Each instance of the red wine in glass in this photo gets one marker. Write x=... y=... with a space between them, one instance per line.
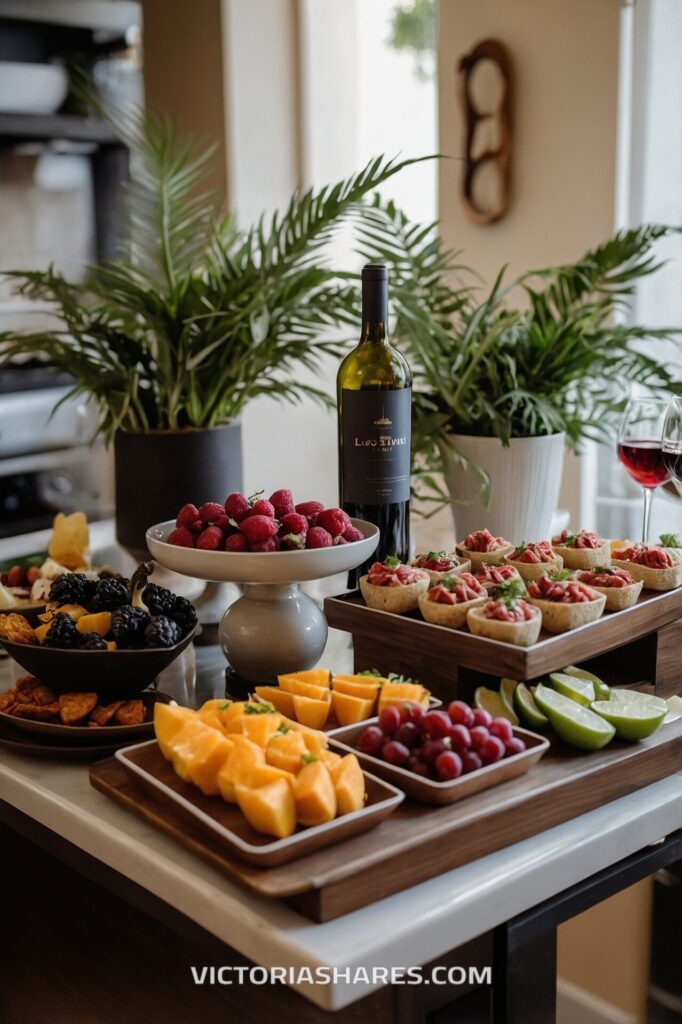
x=644 y=462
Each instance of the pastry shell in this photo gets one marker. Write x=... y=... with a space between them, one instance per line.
x=523 y=634
x=463 y=565
x=452 y=615
x=477 y=558
x=558 y=617
x=618 y=598
x=653 y=579
x=394 y=599
x=584 y=558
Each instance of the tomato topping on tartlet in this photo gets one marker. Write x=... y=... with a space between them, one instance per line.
x=483 y=540
x=648 y=555
x=565 y=602
x=455 y=590
x=533 y=553
x=560 y=587
x=605 y=576
x=491 y=574
x=654 y=566
x=390 y=586
x=438 y=561
x=584 y=539
x=519 y=611
x=382 y=574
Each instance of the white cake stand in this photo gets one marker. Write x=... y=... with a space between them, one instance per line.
x=273 y=627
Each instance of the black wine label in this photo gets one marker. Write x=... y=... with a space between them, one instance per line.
x=376 y=446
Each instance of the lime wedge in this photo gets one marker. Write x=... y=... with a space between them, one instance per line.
x=527 y=709
x=507 y=687
x=648 y=700
x=573 y=723
x=579 y=690
x=491 y=701
x=601 y=690
x=633 y=721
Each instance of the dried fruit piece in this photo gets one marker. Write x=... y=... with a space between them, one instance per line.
x=74 y=707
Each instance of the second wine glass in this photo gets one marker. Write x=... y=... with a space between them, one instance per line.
x=640 y=448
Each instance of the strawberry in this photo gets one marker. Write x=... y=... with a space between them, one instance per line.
x=258 y=528
x=293 y=541
x=32 y=575
x=181 y=537
x=236 y=542
x=334 y=520
x=318 y=537
x=270 y=544
x=189 y=517
x=262 y=507
x=294 y=522
x=213 y=514
x=236 y=506
x=352 y=533
x=210 y=539
x=283 y=502
x=16 y=577
x=311 y=510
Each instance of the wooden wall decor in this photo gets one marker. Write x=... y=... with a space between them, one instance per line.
x=499 y=155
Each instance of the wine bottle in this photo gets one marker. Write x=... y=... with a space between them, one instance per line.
x=374 y=392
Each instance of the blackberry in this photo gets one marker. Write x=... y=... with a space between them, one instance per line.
x=72 y=588
x=183 y=614
x=159 y=600
x=128 y=625
x=110 y=593
x=62 y=632
x=92 y=642
x=161 y=632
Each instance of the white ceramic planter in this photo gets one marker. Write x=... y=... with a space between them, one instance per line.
x=525 y=479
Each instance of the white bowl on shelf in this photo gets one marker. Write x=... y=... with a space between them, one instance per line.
x=31 y=88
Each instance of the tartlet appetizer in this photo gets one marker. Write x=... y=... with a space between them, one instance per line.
x=391 y=586
x=481 y=546
x=565 y=603
x=506 y=616
x=447 y=602
x=439 y=564
x=655 y=567
x=534 y=559
x=494 y=574
x=617 y=585
x=583 y=550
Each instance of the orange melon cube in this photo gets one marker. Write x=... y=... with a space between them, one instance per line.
x=397 y=693
x=315 y=739
x=366 y=687
x=97 y=622
x=298 y=687
x=282 y=700
x=316 y=676
x=168 y=721
x=259 y=728
x=349 y=784
x=212 y=712
x=243 y=756
x=315 y=794
x=232 y=717
x=269 y=809
x=329 y=757
x=286 y=750
x=262 y=774
x=350 y=710
x=210 y=754
x=310 y=712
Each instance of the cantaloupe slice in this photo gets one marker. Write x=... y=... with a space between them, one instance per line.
x=193 y=743
x=317 y=676
x=262 y=774
x=358 y=686
x=302 y=689
x=168 y=721
x=286 y=750
x=282 y=700
x=315 y=739
x=269 y=809
x=41 y=631
x=213 y=712
x=98 y=622
x=315 y=794
x=349 y=785
x=396 y=693
x=210 y=753
x=313 y=713
x=260 y=727
x=233 y=717
x=329 y=757
x=350 y=710
x=243 y=756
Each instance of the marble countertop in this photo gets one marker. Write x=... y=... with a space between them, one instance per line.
x=407 y=929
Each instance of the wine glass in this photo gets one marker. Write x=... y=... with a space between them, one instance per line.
x=640 y=448
x=672 y=442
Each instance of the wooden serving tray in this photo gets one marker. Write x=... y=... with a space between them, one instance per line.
x=418 y=842
x=440 y=655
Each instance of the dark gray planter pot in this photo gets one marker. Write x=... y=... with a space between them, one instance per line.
x=160 y=471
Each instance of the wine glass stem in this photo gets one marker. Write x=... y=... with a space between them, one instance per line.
x=648 y=492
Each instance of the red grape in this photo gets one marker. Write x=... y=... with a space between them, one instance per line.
x=371 y=741
x=479 y=734
x=436 y=724
x=461 y=737
x=502 y=728
x=389 y=719
x=417 y=766
x=492 y=750
x=448 y=766
x=432 y=748
x=409 y=734
x=471 y=762
x=514 y=746
x=461 y=714
x=410 y=711
x=396 y=753
x=482 y=717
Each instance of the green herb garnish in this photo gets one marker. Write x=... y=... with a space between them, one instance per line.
x=569 y=541
x=509 y=592
x=371 y=672
x=604 y=569
x=307 y=759
x=225 y=706
x=391 y=562
x=258 y=706
x=670 y=540
x=521 y=548
x=560 y=575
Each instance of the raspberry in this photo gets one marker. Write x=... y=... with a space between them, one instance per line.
x=236 y=506
x=283 y=503
x=181 y=537
x=294 y=523
x=258 y=528
x=311 y=510
x=32 y=574
x=271 y=544
x=340 y=539
x=210 y=539
x=262 y=507
x=293 y=541
x=335 y=520
x=318 y=537
x=189 y=517
x=236 y=542
x=16 y=577
x=352 y=533
x=213 y=514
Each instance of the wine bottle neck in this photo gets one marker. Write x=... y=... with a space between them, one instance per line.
x=373 y=332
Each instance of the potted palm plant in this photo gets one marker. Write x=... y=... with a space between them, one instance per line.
x=503 y=386
x=192 y=321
